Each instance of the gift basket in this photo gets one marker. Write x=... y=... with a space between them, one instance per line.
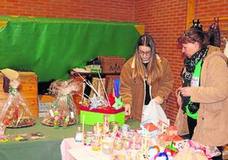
x=15 y=112
x=98 y=104
x=62 y=111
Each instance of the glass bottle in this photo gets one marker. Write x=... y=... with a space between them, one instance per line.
x=79 y=135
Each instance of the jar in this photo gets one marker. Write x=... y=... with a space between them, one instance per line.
x=88 y=138
x=79 y=135
x=107 y=145
x=118 y=144
x=96 y=143
x=126 y=144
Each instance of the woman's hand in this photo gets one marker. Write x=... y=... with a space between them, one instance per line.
x=158 y=100
x=179 y=100
x=186 y=91
x=127 y=109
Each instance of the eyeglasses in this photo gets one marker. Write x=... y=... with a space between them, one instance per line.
x=144 y=52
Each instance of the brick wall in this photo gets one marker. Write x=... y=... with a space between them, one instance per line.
x=111 y=10
x=165 y=20
x=215 y=8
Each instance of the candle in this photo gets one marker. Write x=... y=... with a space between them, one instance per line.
x=107 y=145
x=83 y=123
x=97 y=128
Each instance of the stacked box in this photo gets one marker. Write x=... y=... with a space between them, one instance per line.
x=111 y=64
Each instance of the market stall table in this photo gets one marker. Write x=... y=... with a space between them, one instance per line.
x=70 y=150
x=47 y=148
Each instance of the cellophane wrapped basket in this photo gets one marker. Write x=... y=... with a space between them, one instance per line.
x=62 y=111
x=15 y=112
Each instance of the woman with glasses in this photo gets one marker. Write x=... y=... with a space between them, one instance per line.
x=203 y=97
x=144 y=77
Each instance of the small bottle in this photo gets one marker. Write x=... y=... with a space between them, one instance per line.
x=79 y=135
x=56 y=122
x=118 y=143
x=2 y=129
x=88 y=138
x=66 y=121
x=105 y=125
x=96 y=143
x=51 y=113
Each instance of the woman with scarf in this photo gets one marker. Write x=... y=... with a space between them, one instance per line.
x=144 y=77
x=203 y=97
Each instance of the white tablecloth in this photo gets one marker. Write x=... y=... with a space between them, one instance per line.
x=70 y=150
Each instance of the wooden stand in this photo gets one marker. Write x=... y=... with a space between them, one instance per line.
x=109 y=77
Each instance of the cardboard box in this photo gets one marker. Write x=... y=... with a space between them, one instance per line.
x=111 y=64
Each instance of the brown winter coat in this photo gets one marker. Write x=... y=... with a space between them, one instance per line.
x=212 y=122
x=132 y=90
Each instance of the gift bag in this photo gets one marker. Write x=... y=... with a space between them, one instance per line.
x=153 y=113
x=214 y=33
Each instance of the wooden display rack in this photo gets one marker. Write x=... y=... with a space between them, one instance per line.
x=108 y=85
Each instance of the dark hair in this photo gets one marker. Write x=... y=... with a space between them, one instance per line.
x=153 y=70
x=194 y=35
x=146 y=40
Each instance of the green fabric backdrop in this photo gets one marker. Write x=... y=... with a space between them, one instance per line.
x=51 y=47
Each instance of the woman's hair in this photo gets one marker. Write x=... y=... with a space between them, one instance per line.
x=194 y=35
x=153 y=70
x=146 y=40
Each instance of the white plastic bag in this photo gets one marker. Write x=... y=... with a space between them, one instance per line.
x=226 y=48
x=153 y=113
